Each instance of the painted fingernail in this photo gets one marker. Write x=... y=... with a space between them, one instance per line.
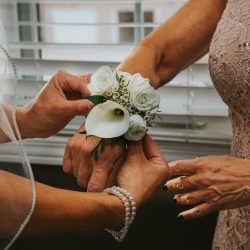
x=175 y=200
x=180 y=217
x=165 y=188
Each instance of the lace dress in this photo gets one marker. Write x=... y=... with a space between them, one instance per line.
x=230 y=71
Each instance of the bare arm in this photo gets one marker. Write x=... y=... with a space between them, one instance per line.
x=73 y=211
x=57 y=210
x=177 y=43
x=143 y=173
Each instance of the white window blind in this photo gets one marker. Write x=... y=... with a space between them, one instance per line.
x=79 y=36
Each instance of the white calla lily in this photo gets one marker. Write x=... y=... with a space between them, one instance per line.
x=107 y=120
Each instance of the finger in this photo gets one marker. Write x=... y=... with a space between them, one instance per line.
x=194 y=197
x=78 y=107
x=84 y=173
x=75 y=162
x=99 y=179
x=67 y=165
x=135 y=149
x=115 y=170
x=184 y=167
x=71 y=83
x=198 y=211
x=85 y=77
x=181 y=183
x=150 y=148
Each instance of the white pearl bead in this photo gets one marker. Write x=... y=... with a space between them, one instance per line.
x=130 y=211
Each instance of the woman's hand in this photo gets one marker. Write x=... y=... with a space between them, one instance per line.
x=214 y=183
x=58 y=102
x=144 y=171
x=96 y=175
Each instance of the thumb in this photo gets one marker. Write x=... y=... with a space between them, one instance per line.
x=79 y=107
x=150 y=148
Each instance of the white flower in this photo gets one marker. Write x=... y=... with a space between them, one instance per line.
x=107 y=120
x=145 y=98
x=124 y=78
x=137 y=80
x=137 y=128
x=102 y=81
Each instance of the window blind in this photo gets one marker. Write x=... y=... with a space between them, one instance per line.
x=79 y=36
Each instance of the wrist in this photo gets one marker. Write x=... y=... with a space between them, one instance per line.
x=138 y=62
x=116 y=210
x=23 y=122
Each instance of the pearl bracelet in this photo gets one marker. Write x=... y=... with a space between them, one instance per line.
x=130 y=211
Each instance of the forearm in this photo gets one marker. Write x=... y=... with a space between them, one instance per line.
x=56 y=210
x=60 y=210
x=177 y=43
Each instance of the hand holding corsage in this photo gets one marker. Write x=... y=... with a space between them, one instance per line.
x=125 y=105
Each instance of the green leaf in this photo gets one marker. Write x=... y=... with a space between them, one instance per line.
x=96 y=99
x=102 y=145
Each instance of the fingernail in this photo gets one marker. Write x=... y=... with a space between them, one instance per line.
x=165 y=188
x=180 y=217
x=175 y=200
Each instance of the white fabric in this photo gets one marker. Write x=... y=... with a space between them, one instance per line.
x=17 y=189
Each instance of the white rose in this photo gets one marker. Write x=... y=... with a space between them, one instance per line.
x=137 y=128
x=137 y=80
x=145 y=98
x=125 y=78
x=102 y=81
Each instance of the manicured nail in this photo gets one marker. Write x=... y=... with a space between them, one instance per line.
x=175 y=200
x=180 y=217
x=165 y=188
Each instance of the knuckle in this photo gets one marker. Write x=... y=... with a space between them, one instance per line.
x=206 y=179
x=180 y=183
x=197 y=212
x=94 y=186
x=176 y=184
x=186 y=199
x=100 y=171
x=194 y=213
x=60 y=73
